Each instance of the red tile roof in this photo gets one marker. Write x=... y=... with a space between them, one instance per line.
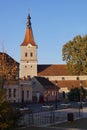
x=52 y=70
x=28 y=38
x=71 y=83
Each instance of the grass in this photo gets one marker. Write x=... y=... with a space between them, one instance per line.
x=80 y=123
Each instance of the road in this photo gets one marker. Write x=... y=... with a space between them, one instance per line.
x=38 y=107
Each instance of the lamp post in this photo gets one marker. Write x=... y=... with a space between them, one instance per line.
x=22 y=94
x=81 y=94
x=56 y=95
x=80 y=98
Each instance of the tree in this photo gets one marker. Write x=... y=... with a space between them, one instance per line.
x=8 y=116
x=74 y=53
x=74 y=94
x=9 y=68
x=77 y=94
x=82 y=93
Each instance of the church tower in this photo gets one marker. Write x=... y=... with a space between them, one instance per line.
x=28 y=61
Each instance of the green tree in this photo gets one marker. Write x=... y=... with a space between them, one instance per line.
x=74 y=94
x=8 y=116
x=74 y=53
x=82 y=93
x=77 y=94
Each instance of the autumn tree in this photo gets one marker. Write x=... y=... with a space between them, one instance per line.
x=9 y=68
x=74 y=53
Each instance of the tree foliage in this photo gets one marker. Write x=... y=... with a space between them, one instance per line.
x=77 y=94
x=9 y=68
x=74 y=53
x=8 y=116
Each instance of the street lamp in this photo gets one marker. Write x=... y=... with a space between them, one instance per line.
x=22 y=94
x=81 y=93
x=56 y=95
x=80 y=97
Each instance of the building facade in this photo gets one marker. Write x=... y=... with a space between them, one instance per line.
x=44 y=90
x=18 y=91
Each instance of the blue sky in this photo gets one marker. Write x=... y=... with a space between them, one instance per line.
x=54 y=22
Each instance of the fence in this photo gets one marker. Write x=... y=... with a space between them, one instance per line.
x=46 y=118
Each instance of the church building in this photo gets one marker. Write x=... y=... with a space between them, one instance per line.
x=50 y=80
x=54 y=72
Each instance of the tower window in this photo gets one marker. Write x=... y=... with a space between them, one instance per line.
x=26 y=54
x=31 y=54
x=25 y=66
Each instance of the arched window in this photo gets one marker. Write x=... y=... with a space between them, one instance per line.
x=26 y=54
x=31 y=54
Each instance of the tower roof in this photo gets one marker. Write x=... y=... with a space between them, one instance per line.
x=28 y=34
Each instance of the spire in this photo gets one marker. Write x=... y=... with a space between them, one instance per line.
x=28 y=34
x=29 y=21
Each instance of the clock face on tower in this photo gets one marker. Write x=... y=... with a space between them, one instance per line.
x=29 y=45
